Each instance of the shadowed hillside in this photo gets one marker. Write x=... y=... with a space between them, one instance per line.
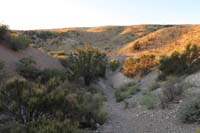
x=108 y=38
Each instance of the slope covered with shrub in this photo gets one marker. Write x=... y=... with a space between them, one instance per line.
x=108 y=38
x=44 y=101
x=163 y=41
x=13 y=41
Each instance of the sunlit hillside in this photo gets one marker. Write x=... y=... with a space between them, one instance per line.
x=164 y=41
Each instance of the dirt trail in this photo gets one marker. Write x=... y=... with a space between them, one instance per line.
x=119 y=119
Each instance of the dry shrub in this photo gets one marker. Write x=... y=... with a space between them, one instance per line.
x=133 y=66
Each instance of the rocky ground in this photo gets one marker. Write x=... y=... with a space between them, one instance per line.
x=138 y=119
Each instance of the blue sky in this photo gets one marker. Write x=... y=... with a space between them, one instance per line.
x=35 y=14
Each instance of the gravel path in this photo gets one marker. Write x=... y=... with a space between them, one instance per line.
x=139 y=119
x=119 y=120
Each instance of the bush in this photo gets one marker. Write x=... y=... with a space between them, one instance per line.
x=150 y=101
x=27 y=68
x=181 y=63
x=34 y=107
x=46 y=34
x=2 y=75
x=3 y=31
x=18 y=42
x=26 y=103
x=142 y=65
x=170 y=92
x=89 y=63
x=13 y=40
x=47 y=74
x=114 y=64
x=136 y=46
x=190 y=111
x=126 y=92
x=52 y=125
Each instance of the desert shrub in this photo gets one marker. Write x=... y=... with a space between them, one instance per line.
x=126 y=92
x=43 y=125
x=91 y=109
x=142 y=65
x=46 y=34
x=114 y=64
x=171 y=91
x=136 y=46
x=150 y=101
x=2 y=75
x=26 y=103
x=27 y=68
x=3 y=31
x=18 y=42
x=190 y=111
x=154 y=86
x=181 y=63
x=52 y=125
x=47 y=74
x=87 y=62
x=13 y=40
x=35 y=107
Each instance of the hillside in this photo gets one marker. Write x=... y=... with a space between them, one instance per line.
x=164 y=41
x=157 y=39
x=108 y=38
x=11 y=58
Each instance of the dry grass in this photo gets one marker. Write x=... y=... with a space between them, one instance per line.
x=165 y=40
x=108 y=38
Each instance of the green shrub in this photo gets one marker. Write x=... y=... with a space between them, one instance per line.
x=29 y=102
x=181 y=63
x=18 y=42
x=45 y=125
x=114 y=64
x=46 y=34
x=47 y=74
x=190 y=111
x=87 y=62
x=126 y=92
x=3 y=31
x=150 y=101
x=27 y=68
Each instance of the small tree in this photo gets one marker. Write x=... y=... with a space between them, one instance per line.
x=88 y=62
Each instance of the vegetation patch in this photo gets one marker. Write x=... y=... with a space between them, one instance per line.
x=88 y=63
x=172 y=91
x=180 y=63
x=142 y=65
x=114 y=64
x=126 y=92
x=13 y=40
x=150 y=101
x=27 y=68
x=190 y=111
